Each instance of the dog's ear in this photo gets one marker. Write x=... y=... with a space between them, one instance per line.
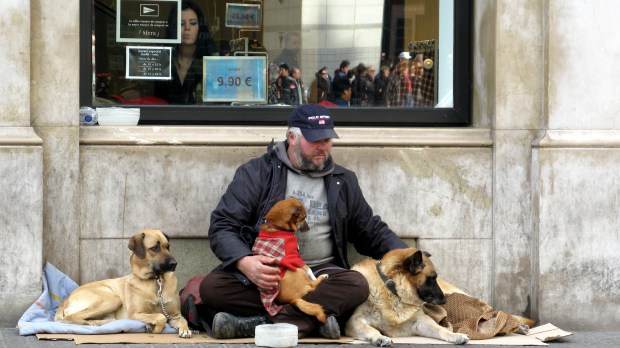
x=136 y=244
x=414 y=263
x=295 y=212
x=168 y=238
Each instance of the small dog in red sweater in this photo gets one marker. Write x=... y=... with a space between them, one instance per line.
x=277 y=239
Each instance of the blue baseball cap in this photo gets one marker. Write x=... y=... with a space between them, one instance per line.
x=314 y=121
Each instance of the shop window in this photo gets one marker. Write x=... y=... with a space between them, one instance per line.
x=224 y=62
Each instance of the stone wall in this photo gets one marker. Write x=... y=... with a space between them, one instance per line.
x=21 y=168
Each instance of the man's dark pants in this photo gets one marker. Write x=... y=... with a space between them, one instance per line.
x=221 y=291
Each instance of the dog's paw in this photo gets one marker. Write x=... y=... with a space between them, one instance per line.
x=459 y=338
x=382 y=341
x=324 y=276
x=523 y=329
x=185 y=333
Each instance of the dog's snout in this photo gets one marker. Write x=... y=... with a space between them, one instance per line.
x=434 y=298
x=304 y=227
x=431 y=293
x=171 y=264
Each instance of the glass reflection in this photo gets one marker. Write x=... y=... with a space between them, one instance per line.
x=316 y=52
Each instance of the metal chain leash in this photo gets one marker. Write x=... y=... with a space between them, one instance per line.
x=161 y=300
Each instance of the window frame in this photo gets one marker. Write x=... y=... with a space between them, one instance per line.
x=458 y=115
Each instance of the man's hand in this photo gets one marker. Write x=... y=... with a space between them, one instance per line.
x=260 y=270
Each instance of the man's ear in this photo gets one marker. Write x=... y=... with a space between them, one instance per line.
x=136 y=244
x=290 y=137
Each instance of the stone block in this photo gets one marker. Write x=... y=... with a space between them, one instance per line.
x=513 y=221
x=426 y=192
x=55 y=56
x=579 y=200
x=466 y=263
x=61 y=200
x=21 y=206
x=126 y=189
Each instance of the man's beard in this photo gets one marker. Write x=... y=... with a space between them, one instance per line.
x=305 y=162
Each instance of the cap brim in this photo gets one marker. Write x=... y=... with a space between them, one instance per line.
x=319 y=134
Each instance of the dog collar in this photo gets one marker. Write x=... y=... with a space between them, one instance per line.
x=269 y=224
x=389 y=283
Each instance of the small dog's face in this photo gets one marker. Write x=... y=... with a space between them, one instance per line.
x=152 y=247
x=288 y=215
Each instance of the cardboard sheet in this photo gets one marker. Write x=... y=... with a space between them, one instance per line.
x=536 y=337
x=169 y=338
x=517 y=340
x=548 y=332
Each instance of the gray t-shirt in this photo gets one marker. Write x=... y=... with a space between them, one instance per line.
x=316 y=245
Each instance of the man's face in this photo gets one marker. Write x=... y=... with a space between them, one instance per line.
x=418 y=68
x=346 y=94
x=283 y=72
x=309 y=156
x=293 y=43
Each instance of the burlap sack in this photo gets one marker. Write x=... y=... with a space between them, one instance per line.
x=470 y=316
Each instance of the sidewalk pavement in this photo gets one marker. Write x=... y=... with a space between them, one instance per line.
x=9 y=338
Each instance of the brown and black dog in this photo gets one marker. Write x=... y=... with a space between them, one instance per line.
x=277 y=239
x=149 y=294
x=399 y=284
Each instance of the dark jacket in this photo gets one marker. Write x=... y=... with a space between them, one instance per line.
x=363 y=90
x=380 y=83
x=176 y=92
x=261 y=182
x=290 y=95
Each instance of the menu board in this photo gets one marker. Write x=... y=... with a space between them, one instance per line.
x=235 y=79
x=148 y=63
x=148 y=21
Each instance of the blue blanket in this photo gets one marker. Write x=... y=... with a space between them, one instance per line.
x=39 y=318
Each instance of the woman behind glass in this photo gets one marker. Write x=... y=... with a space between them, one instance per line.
x=186 y=84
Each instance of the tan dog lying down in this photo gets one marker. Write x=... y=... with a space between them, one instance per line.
x=134 y=296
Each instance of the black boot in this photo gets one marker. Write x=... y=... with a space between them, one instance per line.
x=331 y=329
x=226 y=325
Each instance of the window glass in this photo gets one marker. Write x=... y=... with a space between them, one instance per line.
x=224 y=54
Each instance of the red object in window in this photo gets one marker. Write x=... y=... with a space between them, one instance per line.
x=141 y=100
x=326 y=103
